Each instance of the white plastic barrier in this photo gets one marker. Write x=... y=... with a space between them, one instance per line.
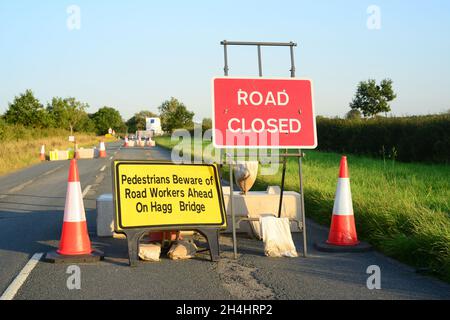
x=261 y=203
x=105 y=215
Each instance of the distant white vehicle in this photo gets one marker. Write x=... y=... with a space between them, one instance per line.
x=153 y=125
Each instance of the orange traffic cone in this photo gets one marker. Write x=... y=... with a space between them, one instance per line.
x=75 y=244
x=102 y=152
x=343 y=231
x=42 y=154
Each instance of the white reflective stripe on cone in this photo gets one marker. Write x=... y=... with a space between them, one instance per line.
x=343 y=200
x=74 y=209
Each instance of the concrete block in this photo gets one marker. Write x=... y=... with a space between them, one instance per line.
x=258 y=203
x=86 y=153
x=105 y=215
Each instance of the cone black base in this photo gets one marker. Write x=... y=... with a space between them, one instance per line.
x=325 y=247
x=55 y=257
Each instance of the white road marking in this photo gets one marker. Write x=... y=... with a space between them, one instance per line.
x=14 y=287
x=103 y=168
x=21 y=186
x=86 y=190
x=111 y=158
x=51 y=171
x=27 y=183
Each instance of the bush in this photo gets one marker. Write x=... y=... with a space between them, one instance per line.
x=206 y=124
x=408 y=139
x=17 y=132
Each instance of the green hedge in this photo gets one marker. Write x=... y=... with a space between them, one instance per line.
x=408 y=139
x=10 y=132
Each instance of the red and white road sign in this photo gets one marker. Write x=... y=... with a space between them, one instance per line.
x=263 y=113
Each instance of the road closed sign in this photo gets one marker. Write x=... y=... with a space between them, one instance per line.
x=152 y=194
x=263 y=112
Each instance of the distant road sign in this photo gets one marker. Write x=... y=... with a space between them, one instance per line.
x=263 y=112
x=152 y=194
x=71 y=138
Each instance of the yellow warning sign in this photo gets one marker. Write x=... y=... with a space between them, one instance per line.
x=163 y=194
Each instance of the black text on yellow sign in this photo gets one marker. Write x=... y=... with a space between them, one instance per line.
x=160 y=194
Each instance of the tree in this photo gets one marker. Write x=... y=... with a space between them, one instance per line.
x=68 y=113
x=372 y=99
x=174 y=115
x=353 y=114
x=137 y=122
x=28 y=111
x=206 y=124
x=106 y=118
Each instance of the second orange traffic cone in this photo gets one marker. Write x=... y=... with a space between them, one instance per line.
x=75 y=245
x=102 y=150
x=42 y=154
x=342 y=235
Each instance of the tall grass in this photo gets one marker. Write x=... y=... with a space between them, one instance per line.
x=20 y=147
x=401 y=208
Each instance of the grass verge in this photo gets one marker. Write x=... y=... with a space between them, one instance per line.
x=23 y=152
x=403 y=209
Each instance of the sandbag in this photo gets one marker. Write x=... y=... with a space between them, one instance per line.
x=245 y=173
x=182 y=250
x=150 y=251
x=256 y=225
x=277 y=237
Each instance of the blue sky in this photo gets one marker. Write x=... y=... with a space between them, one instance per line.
x=133 y=55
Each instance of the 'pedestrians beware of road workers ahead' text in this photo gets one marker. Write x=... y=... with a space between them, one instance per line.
x=150 y=194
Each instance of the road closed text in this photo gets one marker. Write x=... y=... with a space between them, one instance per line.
x=272 y=125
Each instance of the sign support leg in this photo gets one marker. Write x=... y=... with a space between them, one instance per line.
x=302 y=203
x=133 y=238
x=233 y=219
x=283 y=175
x=212 y=236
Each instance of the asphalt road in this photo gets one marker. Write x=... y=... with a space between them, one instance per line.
x=31 y=212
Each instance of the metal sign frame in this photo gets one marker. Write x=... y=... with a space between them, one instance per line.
x=135 y=234
x=299 y=155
